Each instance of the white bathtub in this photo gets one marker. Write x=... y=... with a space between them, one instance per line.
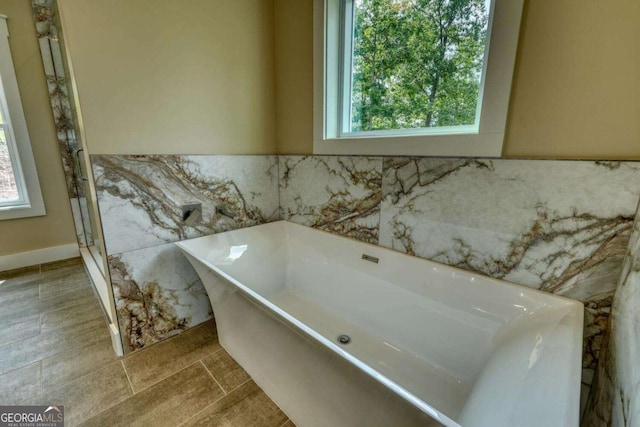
x=430 y=344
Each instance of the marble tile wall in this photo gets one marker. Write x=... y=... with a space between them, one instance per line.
x=559 y=226
x=337 y=194
x=156 y=291
x=615 y=399
x=625 y=340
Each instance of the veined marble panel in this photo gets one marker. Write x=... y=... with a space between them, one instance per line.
x=340 y=194
x=625 y=341
x=157 y=294
x=558 y=226
x=140 y=197
x=615 y=398
x=78 y=206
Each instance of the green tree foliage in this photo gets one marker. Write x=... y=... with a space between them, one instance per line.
x=416 y=63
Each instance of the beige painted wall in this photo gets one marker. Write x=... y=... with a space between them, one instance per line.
x=167 y=76
x=576 y=89
x=56 y=228
x=294 y=75
x=577 y=85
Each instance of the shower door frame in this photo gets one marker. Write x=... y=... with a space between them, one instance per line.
x=67 y=115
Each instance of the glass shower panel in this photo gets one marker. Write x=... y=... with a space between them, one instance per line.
x=87 y=209
x=75 y=162
x=71 y=148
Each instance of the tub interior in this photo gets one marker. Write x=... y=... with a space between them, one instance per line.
x=432 y=332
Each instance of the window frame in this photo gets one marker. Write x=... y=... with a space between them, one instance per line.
x=484 y=139
x=30 y=202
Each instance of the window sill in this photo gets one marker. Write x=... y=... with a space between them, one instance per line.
x=21 y=211
x=468 y=145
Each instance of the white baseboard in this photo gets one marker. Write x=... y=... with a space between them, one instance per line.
x=39 y=256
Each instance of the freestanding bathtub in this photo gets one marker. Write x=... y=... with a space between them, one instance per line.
x=342 y=333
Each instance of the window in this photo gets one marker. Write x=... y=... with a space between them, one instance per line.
x=416 y=77
x=20 y=194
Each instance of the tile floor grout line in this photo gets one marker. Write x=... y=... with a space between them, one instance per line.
x=77 y=378
x=278 y=406
x=21 y=367
x=212 y=376
x=66 y=307
x=163 y=378
x=20 y=339
x=20 y=272
x=200 y=411
x=41 y=358
x=212 y=403
x=124 y=368
x=134 y=392
x=218 y=350
x=153 y=345
x=84 y=421
x=250 y=379
x=215 y=401
x=41 y=378
x=37 y=362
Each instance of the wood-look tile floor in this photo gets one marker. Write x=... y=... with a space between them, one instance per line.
x=55 y=349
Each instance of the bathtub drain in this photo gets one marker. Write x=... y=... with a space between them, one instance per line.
x=344 y=339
